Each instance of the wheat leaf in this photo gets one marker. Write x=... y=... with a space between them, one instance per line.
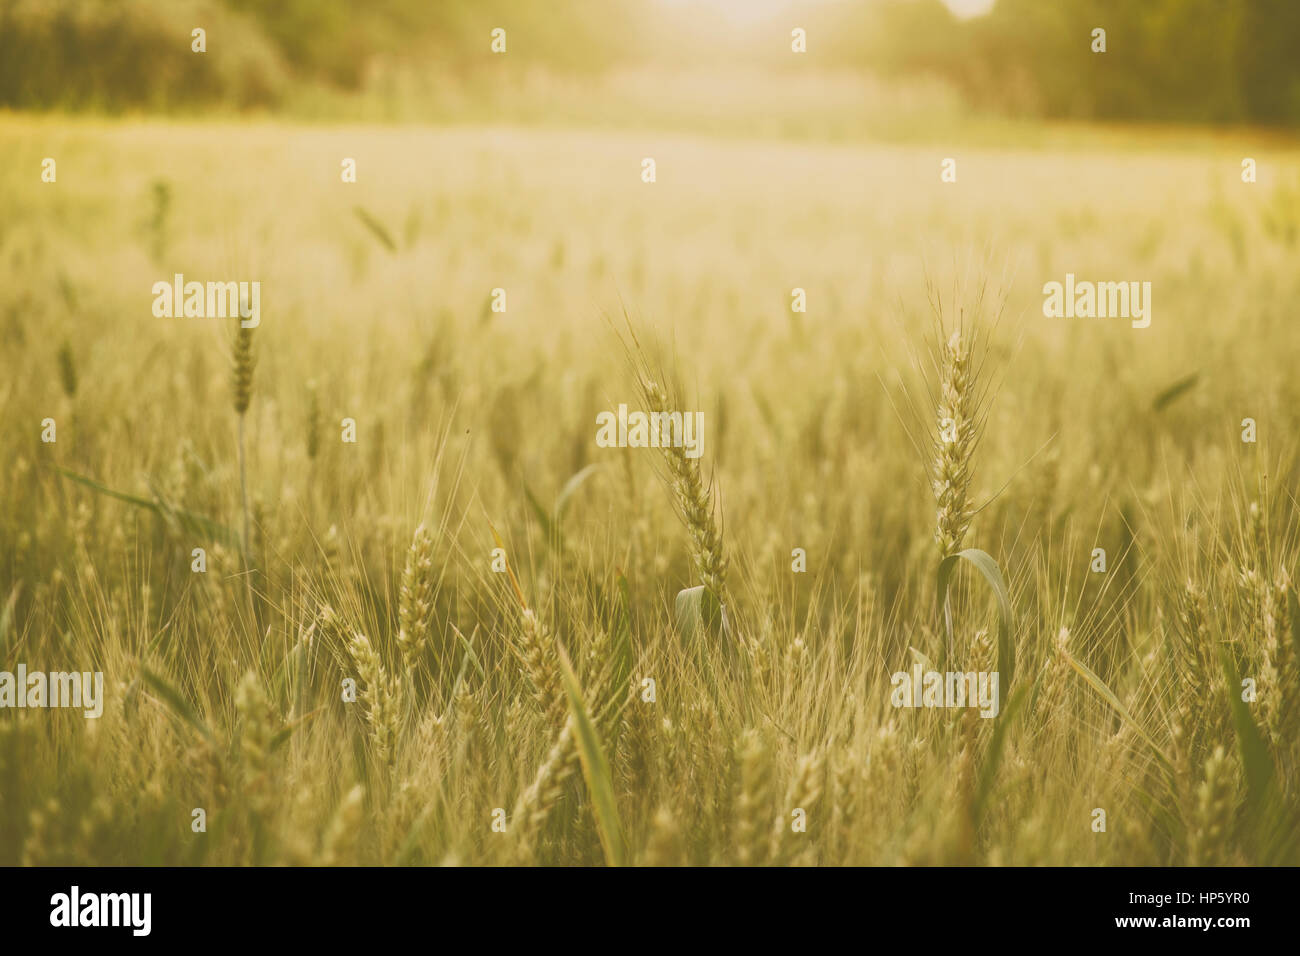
x=1108 y=695
x=177 y=702
x=376 y=229
x=594 y=767
x=987 y=567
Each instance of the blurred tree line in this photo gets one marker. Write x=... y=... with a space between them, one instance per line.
x=1215 y=61
x=136 y=54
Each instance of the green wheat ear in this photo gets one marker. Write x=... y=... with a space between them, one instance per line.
x=241 y=390
x=67 y=370
x=312 y=424
x=959 y=424
x=242 y=364
x=958 y=433
x=415 y=601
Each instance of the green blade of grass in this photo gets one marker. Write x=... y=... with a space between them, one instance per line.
x=987 y=567
x=281 y=736
x=1270 y=817
x=690 y=610
x=1293 y=608
x=7 y=619
x=594 y=767
x=570 y=486
x=1099 y=685
x=177 y=517
x=1175 y=391
x=376 y=228
x=993 y=755
x=177 y=702
x=1255 y=758
x=550 y=526
x=105 y=490
x=622 y=637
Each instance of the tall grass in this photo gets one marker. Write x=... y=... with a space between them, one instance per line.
x=556 y=712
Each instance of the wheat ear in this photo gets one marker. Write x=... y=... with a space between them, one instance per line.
x=241 y=387
x=695 y=501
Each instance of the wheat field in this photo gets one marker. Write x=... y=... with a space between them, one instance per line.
x=357 y=675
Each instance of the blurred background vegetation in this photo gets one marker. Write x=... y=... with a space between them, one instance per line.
x=1185 y=61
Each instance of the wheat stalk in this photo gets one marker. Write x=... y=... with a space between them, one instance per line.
x=382 y=696
x=415 y=601
x=338 y=841
x=694 y=500
x=1212 y=824
x=754 y=810
x=241 y=387
x=538 y=657
x=312 y=424
x=536 y=802
x=956 y=436
x=664 y=845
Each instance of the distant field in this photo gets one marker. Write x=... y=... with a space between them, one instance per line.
x=377 y=306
